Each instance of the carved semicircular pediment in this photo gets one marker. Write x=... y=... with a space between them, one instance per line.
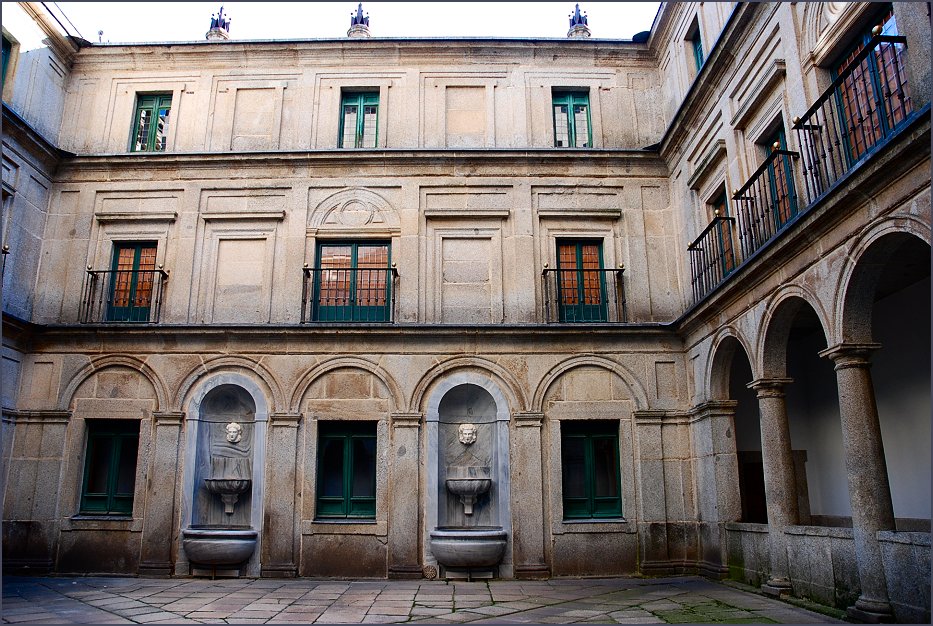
x=354 y=209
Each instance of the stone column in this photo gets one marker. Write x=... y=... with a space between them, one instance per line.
x=279 y=530
x=159 y=530
x=528 y=522
x=867 y=473
x=404 y=499
x=780 y=481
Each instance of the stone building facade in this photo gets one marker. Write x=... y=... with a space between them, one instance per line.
x=372 y=306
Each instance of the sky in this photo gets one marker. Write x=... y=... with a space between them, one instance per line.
x=124 y=22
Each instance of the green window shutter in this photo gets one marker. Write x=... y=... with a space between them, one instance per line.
x=572 y=119
x=590 y=468
x=150 y=128
x=352 y=282
x=359 y=120
x=697 y=45
x=346 y=484
x=581 y=284
x=110 y=467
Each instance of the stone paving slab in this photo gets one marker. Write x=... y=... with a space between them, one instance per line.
x=108 y=600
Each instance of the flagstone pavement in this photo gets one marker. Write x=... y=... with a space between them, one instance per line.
x=112 y=600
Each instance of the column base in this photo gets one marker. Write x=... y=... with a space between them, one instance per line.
x=777 y=588
x=535 y=571
x=156 y=569
x=284 y=570
x=871 y=611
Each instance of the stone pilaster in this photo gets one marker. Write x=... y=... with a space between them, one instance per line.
x=159 y=532
x=780 y=481
x=652 y=498
x=528 y=508
x=404 y=501
x=867 y=473
x=279 y=527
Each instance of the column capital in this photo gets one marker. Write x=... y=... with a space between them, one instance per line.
x=850 y=354
x=168 y=418
x=769 y=387
x=286 y=420
x=528 y=419
x=406 y=420
x=712 y=408
x=26 y=416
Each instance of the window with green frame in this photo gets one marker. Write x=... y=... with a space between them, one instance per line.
x=572 y=119
x=724 y=234
x=346 y=471
x=7 y=51
x=352 y=282
x=589 y=455
x=110 y=467
x=150 y=128
x=696 y=44
x=581 y=283
x=359 y=119
x=871 y=102
x=131 y=282
x=783 y=195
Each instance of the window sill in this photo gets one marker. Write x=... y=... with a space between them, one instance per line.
x=82 y=521
x=594 y=525
x=344 y=526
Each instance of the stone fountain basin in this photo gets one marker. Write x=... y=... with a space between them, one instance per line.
x=477 y=546
x=218 y=546
x=227 y=486
x=468 y=486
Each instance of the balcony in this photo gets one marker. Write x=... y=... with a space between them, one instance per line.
x=349 y=294
x=850 y=121
x=712 y=255
x=122 y=296
x=859 y=111
x=584 y=295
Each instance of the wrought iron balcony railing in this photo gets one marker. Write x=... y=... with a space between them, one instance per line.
x=767 y=202
x=349 y=294
x=584 y=295
x=861 y=107
x=712 y=255
x=122 y=296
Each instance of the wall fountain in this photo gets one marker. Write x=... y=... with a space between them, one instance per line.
x=220 y=538
x=470 y=464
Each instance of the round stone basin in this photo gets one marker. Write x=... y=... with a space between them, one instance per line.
x=227 y=486
x=218 y=546
x=479 y=546
x=468 y=486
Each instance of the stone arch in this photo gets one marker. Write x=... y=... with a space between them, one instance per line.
x=514 y=395
x=774 y=332
x=321 y=369
x=718 y=366
x=97 y=365
x=859 y=278
x=249 y=370
x=636 y=390
x=352 y=209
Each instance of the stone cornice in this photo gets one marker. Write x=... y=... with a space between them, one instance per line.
x=185 y=165
x=22 y=133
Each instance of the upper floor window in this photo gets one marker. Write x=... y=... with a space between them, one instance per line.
x=352 y=283
x=872 y=99
x=780 y=194
x=131 y=282
x=110 y=467
x=723 y=234
x=359 y=119
x=581 y=282
x=572 y=119
x=150 y=128
x=696 y=44
x=589 y=455
x=7 y=52
x=346 y=485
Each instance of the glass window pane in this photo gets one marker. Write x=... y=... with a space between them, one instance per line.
x=606 y=470
x=573 y=466
x=161 y=129
x=331 y=469
x=349 y=126
x=369 y=127
x=561 y=127
x=581 y=126
x=364 y=467
x=141 y=142
x=126 y=466
x=100 y=450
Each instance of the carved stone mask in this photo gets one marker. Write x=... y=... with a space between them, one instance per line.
x=467 y=434
x=234 y=432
